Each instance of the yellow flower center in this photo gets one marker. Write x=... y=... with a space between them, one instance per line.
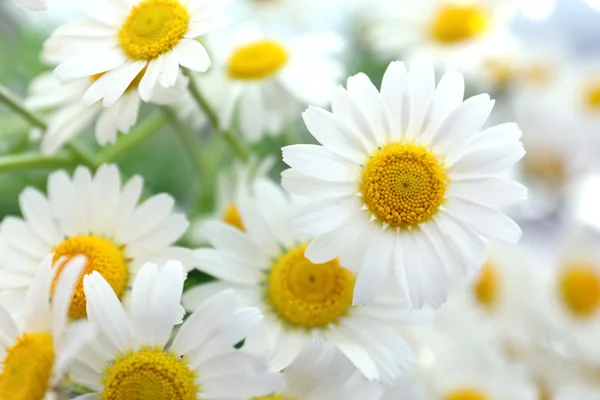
x=486 y=287
x=152 y=28
x=592 y=96
x=580 y=290
x=308 y=295
x=403 y=184
x=466 y=394
x=102 y=256
x=27 y=367
x=232 y=217
x=257 y=60
x=456 y=23
x=149 y=374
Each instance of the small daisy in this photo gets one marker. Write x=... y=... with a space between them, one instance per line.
x=35 y=359
x=233 y=187
x=267 y=80
x=406 y=184
x=570 y=301
x=92 y=216
x=302 y=301
x=450 y=33
x=69 y=117
x=125 y=39
x=322 y=372
x=135 y=360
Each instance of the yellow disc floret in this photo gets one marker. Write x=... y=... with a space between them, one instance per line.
x=149 y=374
x=403 y=184
x=466 y=394
x=102 y=256
x=231 y=216
x=27 y=367
x=307 y=295
x=456 y=23
x=257 y=60
x=592 y=96
x=580 y=290
x=152 y=28
x=486 y=287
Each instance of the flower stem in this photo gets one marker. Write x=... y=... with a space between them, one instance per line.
x=187 y=139
x=137 y=135
x=238 y=148
x=34 y=160
x=16 y=104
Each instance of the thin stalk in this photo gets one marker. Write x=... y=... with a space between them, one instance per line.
x=34 y=161
x=186 y=136
x=137 y=135
x=238 y=148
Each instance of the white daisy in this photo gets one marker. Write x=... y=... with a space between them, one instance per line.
x=267 y=79
x=570 y=298
x=124 y=39
x=450 y=33
x=69 y=117
x=302 y=301
x=35 y=359
x=321 y=372
x=233 y=186
x=406 y=184
x=93 y=216
x=135 y=360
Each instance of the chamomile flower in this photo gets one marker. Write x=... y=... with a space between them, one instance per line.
x=233 y=187
x=69 y=117
x=406 y=183
x=35 y=359
x=570 y=301
x=126 y=39
x=450 y=33
x=322 y=372
x=91 y=216
x=302 y=301
x=135 y=360
x=266 y=80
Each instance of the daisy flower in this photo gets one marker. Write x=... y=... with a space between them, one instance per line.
x=450 y=33
x=322 y=372
x=35 y=359
x=92 y=216
x=406 y=183
x=143 y=40
x=302 y=301
x=570 y=297
x=268 y=79
x=68 y=117
x=135 y=360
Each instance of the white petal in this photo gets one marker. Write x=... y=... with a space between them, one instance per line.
x=141 y=297
x=421 y=84
x=165 y=302
x=36 y=211
x=366 y=96
x=318 y=162
x=225 y=237
x=191 y=54
x=252 y=113
x=486 y=161
x=355 y=353
x=297 y=183
x=106 y=126
x=150 y=78
x=63 y=293
x=376 y=268
x=170 y=70
x=145 y=217
x=88 y=65
x=322 y=216
x=227 y=267
x=8 y=327
x=395 y=95
x=344 y=107
x=105 y=198
x=18 y=234
x=448 y=95
x=36 y=310
x=489 y=192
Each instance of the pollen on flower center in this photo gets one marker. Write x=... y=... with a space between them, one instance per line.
x=592 y=96
x=152 y=28
x=403 y=184
x=486 y=287
x=580 y=290
x=232 y=217
x=308 y=295
x=149 y=374
x=102 y=256
x=27 y=367
x=257 y=60
x=466 y=394
x=456 y=23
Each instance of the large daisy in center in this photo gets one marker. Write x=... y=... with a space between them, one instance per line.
x=302 y=301
x=406 y=183
x=124 y=38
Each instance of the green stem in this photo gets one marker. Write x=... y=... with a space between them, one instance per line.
x=34 y=160
x=83 y=154
x=238 y=148
x=15 y=104
x=137 y=135
x=186 y=136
